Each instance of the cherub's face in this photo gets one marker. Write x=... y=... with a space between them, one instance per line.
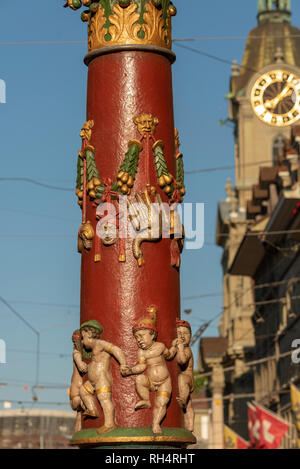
x=184 y=335
x=87 y=338
x=144 y=338
x=109 y=234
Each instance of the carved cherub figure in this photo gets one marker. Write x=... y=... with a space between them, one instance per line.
x=151 y=357
x=99 y=375
x=184 y=356
x=79 y=368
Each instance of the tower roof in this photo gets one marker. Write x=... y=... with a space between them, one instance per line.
x=274 y=11
x=262 y=48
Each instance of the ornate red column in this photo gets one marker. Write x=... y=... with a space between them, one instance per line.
x=129 y=147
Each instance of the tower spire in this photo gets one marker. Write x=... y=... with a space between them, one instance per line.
x=274 y=11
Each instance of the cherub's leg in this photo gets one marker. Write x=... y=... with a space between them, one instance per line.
x=184 y=391
x=78 y=422
x=105 y=399
x=189 y=417
x=87 y=395
x=142 y=384
x=75 y=402
x=163 y=396
x=160 y=410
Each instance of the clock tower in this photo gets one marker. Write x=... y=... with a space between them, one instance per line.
x=265 y=93
x=264 y=102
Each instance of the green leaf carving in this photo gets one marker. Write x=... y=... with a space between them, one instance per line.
x=131 y=161
x=79 y=181
x=160 y=162
x=91 y=167
x=180 y=170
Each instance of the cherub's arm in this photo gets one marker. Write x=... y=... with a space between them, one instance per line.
x=115 y=352
x=170 y=354
x=139 y=368
x=81 y=365
x=183 y=354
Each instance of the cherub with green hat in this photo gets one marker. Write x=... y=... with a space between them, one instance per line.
x=99 y=381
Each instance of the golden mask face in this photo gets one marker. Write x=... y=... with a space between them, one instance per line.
x=146 y=123
x=275 y=98
x=86 y=130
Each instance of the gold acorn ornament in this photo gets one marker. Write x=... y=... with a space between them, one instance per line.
x=96 y=182
x=125 y=182
x=161 y=182
x=124 y=189
x=124 y=178
x=90 y=185
x=130 y=182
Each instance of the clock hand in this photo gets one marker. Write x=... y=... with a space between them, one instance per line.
x=273 y=102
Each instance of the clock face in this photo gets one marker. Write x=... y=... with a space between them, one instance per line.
x=275 y=98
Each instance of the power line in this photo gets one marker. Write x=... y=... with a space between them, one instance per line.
x=214 y=57
x=60 y=355
x=34 y=181
x=205 y=295
x=68 y=189
x=20 y=402
x=248 y=364
x=230 y=38
x=225 y=168
x=42 y=235
x=34 y=214
x=37 y=303
x=175 y=40
x=256 y=287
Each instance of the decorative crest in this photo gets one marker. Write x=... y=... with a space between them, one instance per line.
x=126 y=22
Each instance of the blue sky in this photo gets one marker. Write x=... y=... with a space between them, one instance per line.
x=40 y=123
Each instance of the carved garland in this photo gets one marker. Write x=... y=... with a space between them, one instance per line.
x=100 y=191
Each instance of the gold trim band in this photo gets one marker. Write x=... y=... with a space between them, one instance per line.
x=73 y=397
x=88 y=389
x=142 y=362
x=103 y=389
x=164 y=393
x=135 y=439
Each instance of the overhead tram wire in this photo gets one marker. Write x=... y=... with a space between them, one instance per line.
x=69 y=189
x=57 y=235
x=214 y=294
x=38 y=183
x=175 y=40
x=236 y=299
x=214 y=57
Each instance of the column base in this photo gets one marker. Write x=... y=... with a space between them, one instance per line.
x=138 y=438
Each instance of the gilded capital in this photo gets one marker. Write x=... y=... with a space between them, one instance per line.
x=126 y=22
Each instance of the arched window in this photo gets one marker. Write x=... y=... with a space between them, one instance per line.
x=278 y=148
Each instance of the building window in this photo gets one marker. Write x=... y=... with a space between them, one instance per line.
x=278 y=147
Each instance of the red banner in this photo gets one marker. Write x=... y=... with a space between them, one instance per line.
x=271 y=426
x=253 y=426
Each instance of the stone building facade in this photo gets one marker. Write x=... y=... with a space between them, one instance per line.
x=260 y=322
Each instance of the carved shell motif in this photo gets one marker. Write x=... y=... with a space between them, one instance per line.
x=126 y=28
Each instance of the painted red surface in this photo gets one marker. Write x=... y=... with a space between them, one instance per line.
x=121 y=86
